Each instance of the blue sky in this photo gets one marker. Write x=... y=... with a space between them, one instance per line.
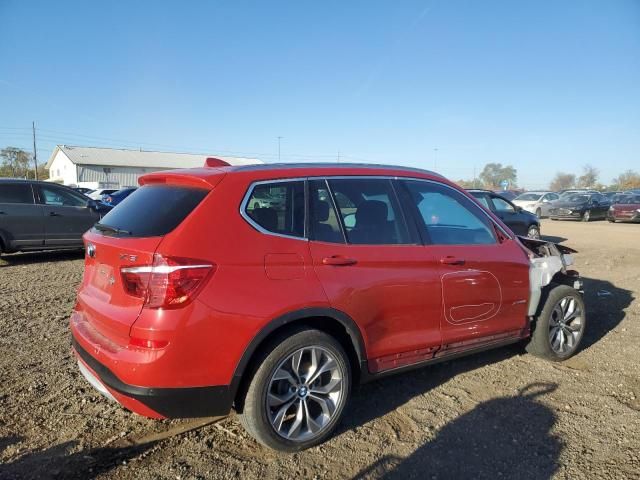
x=542 y=85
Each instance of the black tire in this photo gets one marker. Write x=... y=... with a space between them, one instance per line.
x=553 y=219
x=586 y=216
x=539 y=212
x=540 y=342
x=255 y=414
x=533 y=232
x=611 y=220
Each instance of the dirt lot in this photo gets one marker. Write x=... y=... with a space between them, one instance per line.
x=498 y=414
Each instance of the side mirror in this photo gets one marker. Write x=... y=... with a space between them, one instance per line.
x=545 y=200
x=92 y=204
x=518 y=209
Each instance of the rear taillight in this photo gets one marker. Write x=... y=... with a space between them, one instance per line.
x=170 y=282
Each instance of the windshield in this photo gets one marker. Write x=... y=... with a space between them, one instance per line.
x=529 y=197
x=577 y=198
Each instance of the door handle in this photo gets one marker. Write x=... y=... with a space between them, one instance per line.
x=54 y=214
x=337 y=260
x=449 y=260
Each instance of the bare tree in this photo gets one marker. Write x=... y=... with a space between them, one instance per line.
x=589 y=177
x=15 y=162
x=628 y=180
x=562 y=181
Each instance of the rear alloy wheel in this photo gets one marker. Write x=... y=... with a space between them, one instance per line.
x=586 y=217
x=533 y=232
x=298 y=393
x=560 y=326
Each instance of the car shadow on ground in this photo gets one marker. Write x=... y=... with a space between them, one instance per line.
x=605 y=305
x=40 y=257
x=56 y=463
x=506 y=437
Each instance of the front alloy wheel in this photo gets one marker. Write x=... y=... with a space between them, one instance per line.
x=565 y=325
x=298 y=392
x=533 y=232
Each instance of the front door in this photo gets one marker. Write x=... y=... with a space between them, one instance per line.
x=484 y=279
x=66 y=216
x=373 y=268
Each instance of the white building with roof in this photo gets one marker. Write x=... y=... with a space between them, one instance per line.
x=93 y=167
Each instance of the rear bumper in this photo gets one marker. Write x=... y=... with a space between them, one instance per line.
x=156 y=402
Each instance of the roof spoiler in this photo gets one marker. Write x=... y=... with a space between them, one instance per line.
x=215 y=162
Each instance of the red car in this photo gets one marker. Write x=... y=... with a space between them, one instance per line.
x=625 y=209
x=197 y=298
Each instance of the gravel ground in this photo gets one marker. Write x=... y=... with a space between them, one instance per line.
x=497 y=414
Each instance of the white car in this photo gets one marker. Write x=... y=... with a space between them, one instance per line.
x=537 y=203
x=97 y=194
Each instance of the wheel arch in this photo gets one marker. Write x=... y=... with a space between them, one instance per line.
x=329 y=320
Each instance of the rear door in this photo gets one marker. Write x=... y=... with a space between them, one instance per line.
x=372 y=267
x=66 y=215
x=21 y=223
x=484 y=277
x=128 y=236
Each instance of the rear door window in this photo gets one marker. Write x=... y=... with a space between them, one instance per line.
x=277 y=207
x=501 y=205
x=151 y=211
x=448 y=217
x=16 y=193
x=370 y=211
x=323 y=220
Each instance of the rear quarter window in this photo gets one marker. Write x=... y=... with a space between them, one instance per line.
x=15 y=193
x=153 y=210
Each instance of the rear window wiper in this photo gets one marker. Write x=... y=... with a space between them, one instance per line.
x=108 y=228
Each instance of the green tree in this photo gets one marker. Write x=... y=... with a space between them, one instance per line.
x=15 y=162
x=494 y=173
x=589 y=177
x=562 y=181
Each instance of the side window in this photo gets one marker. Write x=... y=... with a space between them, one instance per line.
x=278 y=207
x=553 y=196
x=448 y=218
x=370 y=211
x=16 y=193
x=483 y=199
x=60 y=197
x=502 y=205
x=323 y=221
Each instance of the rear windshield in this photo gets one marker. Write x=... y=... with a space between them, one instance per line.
x=151 y=211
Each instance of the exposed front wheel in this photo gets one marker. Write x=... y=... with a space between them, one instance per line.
x=559 y=328
x=298 y=393
x=533 y=232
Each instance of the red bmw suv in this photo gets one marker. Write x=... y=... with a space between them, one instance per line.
x=272 y=289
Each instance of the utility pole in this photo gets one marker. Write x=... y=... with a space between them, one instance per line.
x=35 y=152
x=474 y=177
x=279 y=139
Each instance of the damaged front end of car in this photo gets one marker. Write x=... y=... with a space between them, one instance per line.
x=550 y=264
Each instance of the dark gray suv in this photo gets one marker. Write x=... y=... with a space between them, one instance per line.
x=42 y=216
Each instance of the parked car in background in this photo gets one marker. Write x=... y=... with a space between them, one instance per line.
x=518 y=220
x=611 y=195
x=508 y=194
x=580 y=206
x=626 y=209
x=44 y=216
x=115 y=198
x=633 y=191
x=566 y=193
x=82 y=190
x=195 y=300
x=98 y=194
x=537 y=203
